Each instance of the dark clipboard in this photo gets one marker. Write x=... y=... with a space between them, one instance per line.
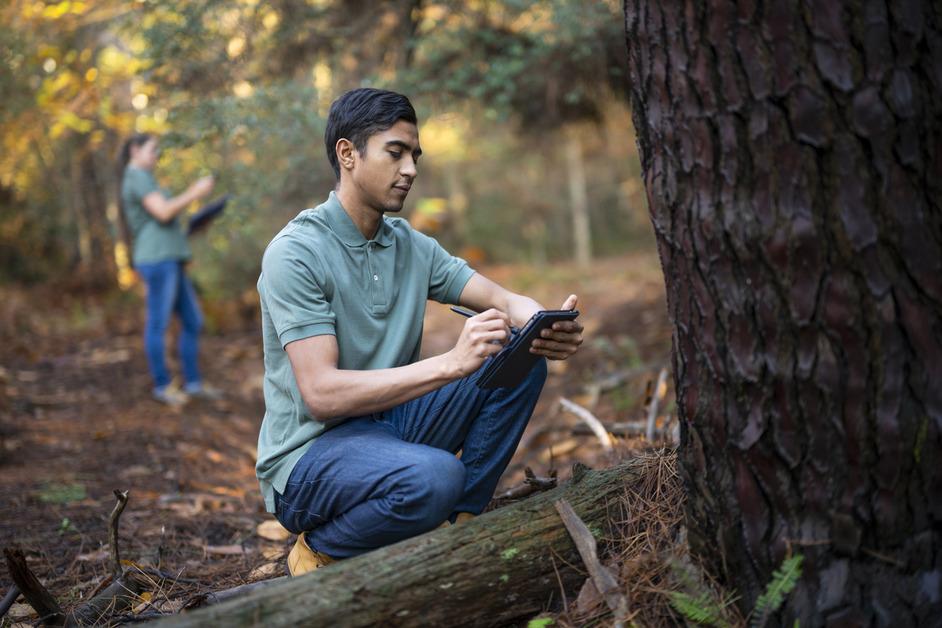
x=510 y=366
x=206 y=214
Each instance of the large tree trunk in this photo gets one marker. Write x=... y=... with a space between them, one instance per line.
x=792 y=155
x=506 y=564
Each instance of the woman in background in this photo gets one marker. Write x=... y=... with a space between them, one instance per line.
x=160 y=252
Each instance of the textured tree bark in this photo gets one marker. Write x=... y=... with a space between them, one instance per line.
x=500 y=566
x=792 y=157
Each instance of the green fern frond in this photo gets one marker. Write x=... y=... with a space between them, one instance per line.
x=700 y=609
x=783 y=581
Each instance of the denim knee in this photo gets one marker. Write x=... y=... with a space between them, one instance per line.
x=537 y=375
x=436 y=485
x=194 y=324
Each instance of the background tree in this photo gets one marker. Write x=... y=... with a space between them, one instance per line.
x=791 y=154
x=508 y=92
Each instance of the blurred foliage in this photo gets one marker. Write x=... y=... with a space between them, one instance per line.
x=54 y=493
x=241 y=89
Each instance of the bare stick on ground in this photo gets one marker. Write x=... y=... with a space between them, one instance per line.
x=12 y=593
x=625 y=430
x=216 y=597
x=589 y=419
x=125 y=587
x=42 y=601
x=116 y=570
x=604 y=581
x=655 y=401
x=119 y=595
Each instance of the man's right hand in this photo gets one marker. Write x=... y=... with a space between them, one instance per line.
x=483 y=335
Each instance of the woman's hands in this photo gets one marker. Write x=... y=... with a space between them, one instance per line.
x=166 y=209
x=202 y=187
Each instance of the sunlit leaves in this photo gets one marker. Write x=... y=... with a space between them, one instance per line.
x=546 y=61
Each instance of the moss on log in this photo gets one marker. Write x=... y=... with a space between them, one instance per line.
x=500 y=566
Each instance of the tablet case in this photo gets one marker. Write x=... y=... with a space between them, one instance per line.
x=206 y=214
x=510 y=366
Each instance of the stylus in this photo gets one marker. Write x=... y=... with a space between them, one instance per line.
x=457 y=309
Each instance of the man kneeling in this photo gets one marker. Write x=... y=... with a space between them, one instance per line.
x=357 y=447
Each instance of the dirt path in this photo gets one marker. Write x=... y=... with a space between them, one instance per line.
x=76 y=422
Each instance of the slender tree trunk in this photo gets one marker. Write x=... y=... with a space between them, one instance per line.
x=578 y=199
x=83 y=239
x=95 y=207
x=792 y=156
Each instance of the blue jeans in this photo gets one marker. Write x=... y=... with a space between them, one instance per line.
x=170 y=291
x=378 y=479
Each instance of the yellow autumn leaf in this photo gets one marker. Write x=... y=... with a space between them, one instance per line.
x=77 y=124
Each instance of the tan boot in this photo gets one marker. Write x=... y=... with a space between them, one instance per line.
x=461 y=517
x=303 y=559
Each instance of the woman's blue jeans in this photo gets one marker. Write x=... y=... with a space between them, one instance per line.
x=169 y=291
x=378 y=479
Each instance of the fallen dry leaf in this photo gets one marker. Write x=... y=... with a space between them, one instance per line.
x=589 y=598
x=93 y=556
x=272 y=530
x=226 y=550
x=266 y=571
x=146 y=597
x=274 y=553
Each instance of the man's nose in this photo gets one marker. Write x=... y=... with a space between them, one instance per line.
x=409 y=168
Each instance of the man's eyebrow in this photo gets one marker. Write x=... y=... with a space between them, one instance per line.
x=405 y=146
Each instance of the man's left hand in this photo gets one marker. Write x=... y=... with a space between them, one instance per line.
x=563 y=339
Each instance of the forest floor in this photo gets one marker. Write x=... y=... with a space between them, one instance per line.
x=77 y=422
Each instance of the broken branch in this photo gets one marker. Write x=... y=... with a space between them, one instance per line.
x=12 y=593
x=589 y=419
x=116 y=570
x=122 y=592
x=42 y=601
x=655 y=401
x=604 y=581
x=531 y=484
x=634 y=428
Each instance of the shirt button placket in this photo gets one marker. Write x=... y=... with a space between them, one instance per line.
x=376 y=291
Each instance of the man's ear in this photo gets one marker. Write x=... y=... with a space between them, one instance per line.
x=346 y=153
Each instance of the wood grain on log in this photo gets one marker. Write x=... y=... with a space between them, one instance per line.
x=490 y=570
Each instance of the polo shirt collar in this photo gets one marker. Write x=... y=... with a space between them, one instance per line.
x=341 y=224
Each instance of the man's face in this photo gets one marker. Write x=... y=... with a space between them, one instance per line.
x=384 y=173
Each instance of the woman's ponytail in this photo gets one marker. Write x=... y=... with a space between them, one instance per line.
x=124 y=157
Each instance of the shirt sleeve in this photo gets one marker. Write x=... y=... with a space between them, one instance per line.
x=296 y=293
x=141 y=183
x=449 y=274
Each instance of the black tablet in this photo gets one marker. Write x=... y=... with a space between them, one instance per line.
x=206 y=214
x=510 y=366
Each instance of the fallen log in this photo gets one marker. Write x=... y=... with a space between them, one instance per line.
x=490 y=570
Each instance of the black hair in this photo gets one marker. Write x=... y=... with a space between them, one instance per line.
x=136 y=141
x=361 y=113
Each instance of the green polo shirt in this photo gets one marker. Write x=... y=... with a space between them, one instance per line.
x=321 y=276
x=154 y=241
